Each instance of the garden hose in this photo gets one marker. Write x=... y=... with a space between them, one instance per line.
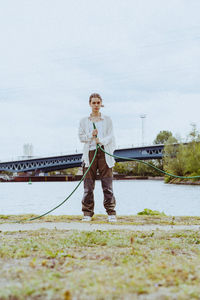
x=40 y=216
x=114 y=156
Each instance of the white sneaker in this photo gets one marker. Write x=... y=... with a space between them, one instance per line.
x=87 y=219
x=112 y=218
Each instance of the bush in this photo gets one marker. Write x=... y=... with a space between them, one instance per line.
x=183 y=159
x=150 y=212
x=138 y=168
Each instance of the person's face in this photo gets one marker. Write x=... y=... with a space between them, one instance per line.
x=95 y=104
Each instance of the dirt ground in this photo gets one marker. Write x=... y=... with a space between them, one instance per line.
x=92 y=227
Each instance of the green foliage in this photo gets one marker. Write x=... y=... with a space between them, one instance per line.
x=138 y=169
x=150 y=212
x=6 y=173
x=194 y=135
x=70 y=171
x=162 y=137
x=183 y=159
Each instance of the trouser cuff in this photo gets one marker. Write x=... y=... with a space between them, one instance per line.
x=88 y=214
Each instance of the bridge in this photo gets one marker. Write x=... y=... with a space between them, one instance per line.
x=54 y=163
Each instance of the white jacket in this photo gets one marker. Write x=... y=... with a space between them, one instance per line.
x=108 y=140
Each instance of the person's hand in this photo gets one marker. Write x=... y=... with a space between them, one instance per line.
x=95 y=132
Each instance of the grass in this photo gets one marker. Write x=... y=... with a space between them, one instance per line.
x=150 y=218
x=58 y=264
x=150 y=212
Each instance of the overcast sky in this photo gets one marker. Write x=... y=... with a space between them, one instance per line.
x=142 y=56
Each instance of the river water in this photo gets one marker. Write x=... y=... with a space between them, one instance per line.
x=132 y=196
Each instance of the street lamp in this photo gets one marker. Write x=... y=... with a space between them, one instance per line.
x=143 y=116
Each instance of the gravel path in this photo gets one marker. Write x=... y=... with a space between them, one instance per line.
x=91 y=227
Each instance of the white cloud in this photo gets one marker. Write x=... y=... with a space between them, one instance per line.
x=141 y=56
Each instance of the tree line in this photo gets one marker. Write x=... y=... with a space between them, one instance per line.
x=179 y=158
x=183 y=159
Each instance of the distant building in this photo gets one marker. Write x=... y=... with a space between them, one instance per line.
x=28 y=150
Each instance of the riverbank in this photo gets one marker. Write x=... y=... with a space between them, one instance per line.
x=61 y=178
x=105 y=263
x=184 y=181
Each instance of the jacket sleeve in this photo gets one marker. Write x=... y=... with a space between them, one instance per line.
x=109 y=138
x=84 y=138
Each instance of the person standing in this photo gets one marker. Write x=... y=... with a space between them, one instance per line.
x=102 y=135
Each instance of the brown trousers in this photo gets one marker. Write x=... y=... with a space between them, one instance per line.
x=106 y=182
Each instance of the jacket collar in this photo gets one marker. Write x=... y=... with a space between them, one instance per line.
x=102 y=117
